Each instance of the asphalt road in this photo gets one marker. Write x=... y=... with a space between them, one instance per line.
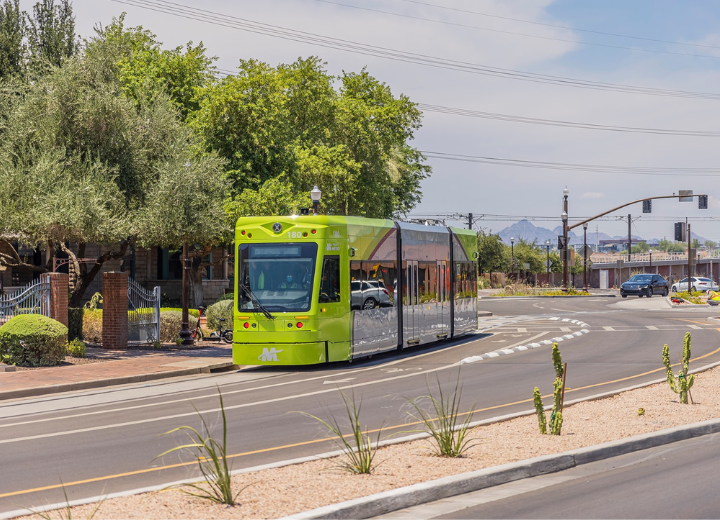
x=106 y=441
x=673 y=482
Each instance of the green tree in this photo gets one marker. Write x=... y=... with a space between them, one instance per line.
x=695 y=244
x=145 y=69
x=710 y=244
x=12 y=33
x=81 y=163
x=672 y=247
x=491 y=250
x=51 y=34
x=640 y=247
x=290 y=124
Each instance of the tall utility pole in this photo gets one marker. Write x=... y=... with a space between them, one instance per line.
x=629 y=239
x=689 y=286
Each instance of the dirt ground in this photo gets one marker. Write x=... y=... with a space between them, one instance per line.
x=274 y=493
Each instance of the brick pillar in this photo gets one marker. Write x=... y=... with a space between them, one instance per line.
x=59 y=292
x=115 y=310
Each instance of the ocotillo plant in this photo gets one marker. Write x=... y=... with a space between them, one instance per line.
x=684 y=381
x=556 y=414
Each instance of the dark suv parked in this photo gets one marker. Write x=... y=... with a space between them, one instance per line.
x=644 y=284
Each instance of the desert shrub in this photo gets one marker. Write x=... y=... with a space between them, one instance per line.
x=217 y=311
x=171 y=324
x=76 y=348
x=92 y=326
x=33 y=340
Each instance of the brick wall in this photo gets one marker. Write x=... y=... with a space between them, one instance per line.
x=115 y=308
x=59 y=289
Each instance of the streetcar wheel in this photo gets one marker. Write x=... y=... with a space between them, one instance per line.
x=228 y=336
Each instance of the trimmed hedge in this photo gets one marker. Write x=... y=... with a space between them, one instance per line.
x=221 y=309
x=171 y=324
x=33 y=340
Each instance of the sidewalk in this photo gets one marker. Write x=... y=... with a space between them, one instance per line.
x=116 y=367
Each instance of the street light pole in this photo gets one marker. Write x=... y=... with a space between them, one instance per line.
x=585 y=283
x=185 y=333
x=564 y=217
x=512 y=256
x=547 y=261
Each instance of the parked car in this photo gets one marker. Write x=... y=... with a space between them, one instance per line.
x=367 y=295
x=698 y=284
x=644 y=284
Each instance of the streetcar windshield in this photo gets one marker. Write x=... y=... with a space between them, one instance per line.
x=279 y=276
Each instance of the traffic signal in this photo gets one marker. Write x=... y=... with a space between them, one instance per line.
x=647 y=206
x=702 y=201
x=680 y=231
x=560 y=243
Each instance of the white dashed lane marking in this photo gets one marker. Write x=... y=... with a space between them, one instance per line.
x=609 y=328
x=522 y=348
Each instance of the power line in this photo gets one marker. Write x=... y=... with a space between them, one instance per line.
x=616 y=169
x=514 y=33
x=605 y=33
x=570 y=124
x=219 y=19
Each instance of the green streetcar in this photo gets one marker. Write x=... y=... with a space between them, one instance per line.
x=318 y=289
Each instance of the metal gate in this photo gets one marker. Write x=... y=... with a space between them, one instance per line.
x=143 y=314
x=35 y=298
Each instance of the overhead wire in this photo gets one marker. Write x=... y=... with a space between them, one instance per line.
x=576 y=167
x=425 y=107
x=224 y=20
x=559 y=26
x=514 y=33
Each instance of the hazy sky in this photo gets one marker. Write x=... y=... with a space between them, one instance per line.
x=563 y=39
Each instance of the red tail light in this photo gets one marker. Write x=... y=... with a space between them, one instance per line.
x=299 y=325
x=247 y=325
x=385 y=291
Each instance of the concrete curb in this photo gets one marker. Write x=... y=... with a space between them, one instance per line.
x=422 y=493
x=687 y=304
x=109 y=382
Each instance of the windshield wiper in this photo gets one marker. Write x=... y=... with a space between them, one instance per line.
x=256 y=303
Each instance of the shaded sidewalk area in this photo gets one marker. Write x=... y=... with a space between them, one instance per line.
x=116 y=367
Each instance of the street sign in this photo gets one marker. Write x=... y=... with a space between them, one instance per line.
x=588 y=249
x=685 y=196
x=526 y=265
x=620 y=263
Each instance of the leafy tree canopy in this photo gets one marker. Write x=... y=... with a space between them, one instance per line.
x=290 y=124
x=81 y=162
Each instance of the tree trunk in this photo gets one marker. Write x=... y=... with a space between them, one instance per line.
x=197 y=295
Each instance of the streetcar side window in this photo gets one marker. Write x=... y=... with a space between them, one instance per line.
x=330 y=280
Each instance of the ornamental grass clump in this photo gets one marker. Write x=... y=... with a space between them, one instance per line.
x=212 y=460
x=684 y=381
x=448 y=433
x=358 y=452
x=556 y=417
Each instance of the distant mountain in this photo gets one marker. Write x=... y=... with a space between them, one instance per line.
x=527 y=231
x=524 y=229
